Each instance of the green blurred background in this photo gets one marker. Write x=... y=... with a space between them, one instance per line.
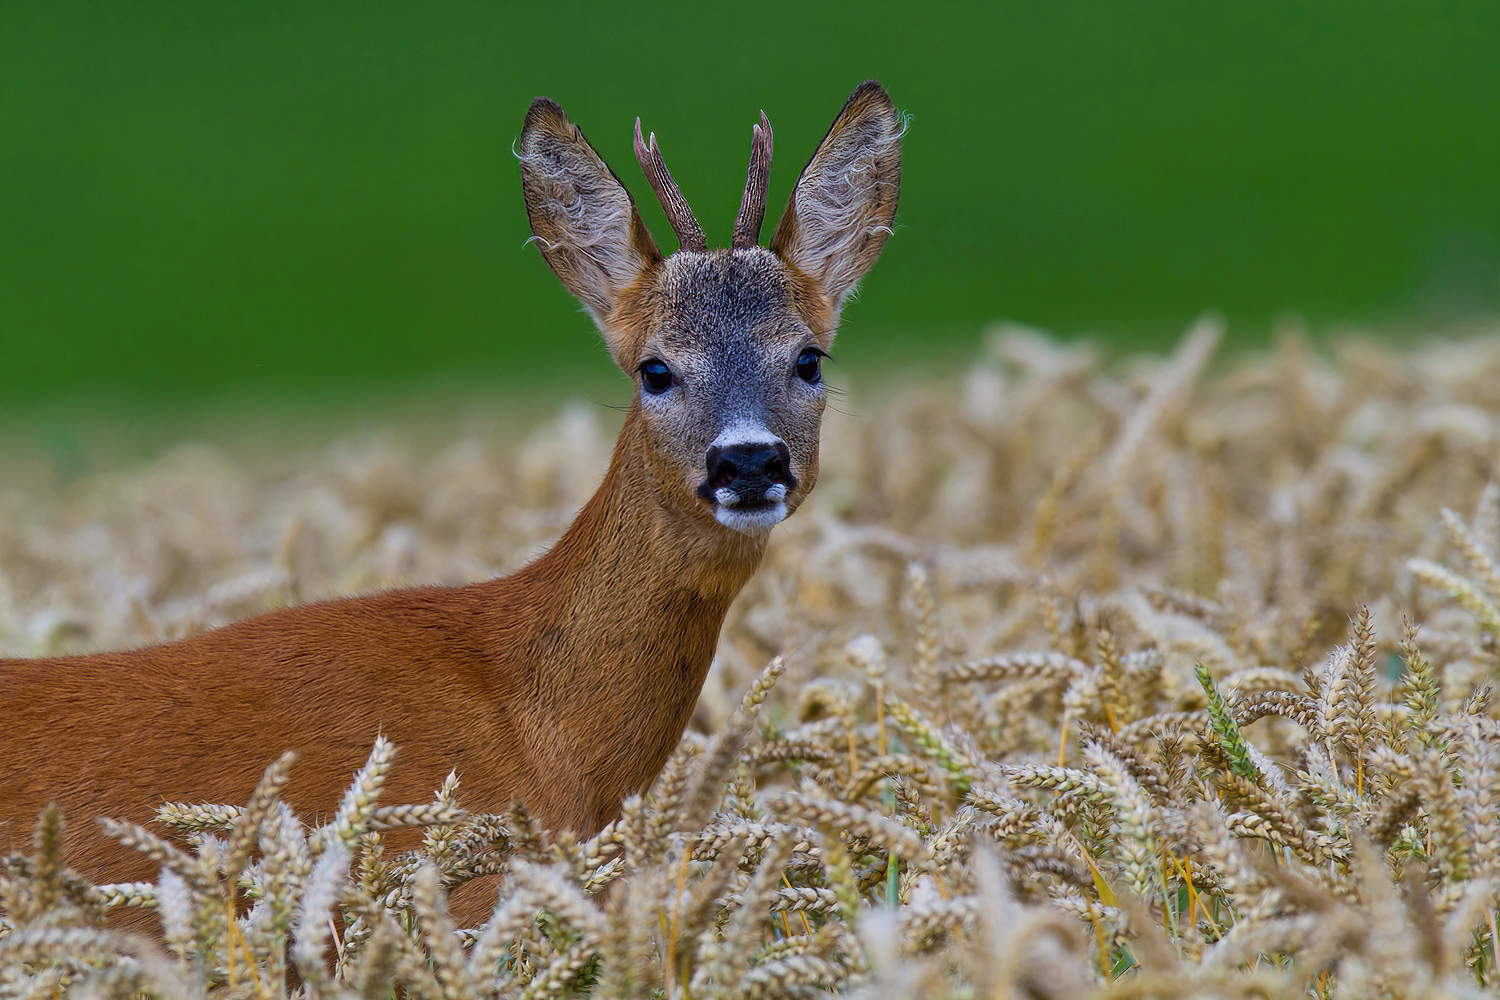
x=253 y=200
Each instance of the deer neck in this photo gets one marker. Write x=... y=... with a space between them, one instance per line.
x=628 y=604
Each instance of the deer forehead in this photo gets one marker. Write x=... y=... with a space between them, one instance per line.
x=723 y=304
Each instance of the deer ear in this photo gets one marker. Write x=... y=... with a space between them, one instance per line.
x=842 y=207
x=582 y=217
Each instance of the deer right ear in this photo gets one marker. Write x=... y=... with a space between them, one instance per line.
x=582 y=217
x=843 y=205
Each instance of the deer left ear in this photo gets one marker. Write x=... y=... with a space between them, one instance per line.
x=583 y=219
x=841 y=210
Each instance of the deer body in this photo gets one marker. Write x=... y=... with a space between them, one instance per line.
x=567 y=683
x=528 y=685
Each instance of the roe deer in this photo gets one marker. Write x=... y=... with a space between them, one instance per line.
x=568 y=683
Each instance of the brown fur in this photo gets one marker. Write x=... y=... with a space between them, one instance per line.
x=565 y=684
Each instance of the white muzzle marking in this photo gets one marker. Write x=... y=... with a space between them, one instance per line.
x=728 y=505
x=751 y=522
x=744 y=432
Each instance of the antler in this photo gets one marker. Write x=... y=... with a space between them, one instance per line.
x=689 y=233
x=757 y=179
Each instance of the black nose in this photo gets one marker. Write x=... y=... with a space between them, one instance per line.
x=748 y=469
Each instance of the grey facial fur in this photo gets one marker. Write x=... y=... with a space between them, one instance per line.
x=729 y=334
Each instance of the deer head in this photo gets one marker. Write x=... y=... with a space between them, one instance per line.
x=725 y=345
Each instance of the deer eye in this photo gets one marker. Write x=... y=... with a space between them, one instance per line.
x=810 y=366
x=656 y=377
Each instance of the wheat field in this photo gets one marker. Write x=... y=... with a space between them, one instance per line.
x=1152 y=677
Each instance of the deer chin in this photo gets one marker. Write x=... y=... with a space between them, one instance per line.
x=757 y=520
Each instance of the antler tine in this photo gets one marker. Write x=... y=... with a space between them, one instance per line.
x=689 y=233
x=757 y=179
